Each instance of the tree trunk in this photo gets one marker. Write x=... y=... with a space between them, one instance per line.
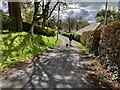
x=69 y=25
x=15 y=14
x=32 y=26
x=44 y=15
x=36 y=7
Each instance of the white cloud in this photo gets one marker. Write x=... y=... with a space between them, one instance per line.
x=102 y=7
x=87 y=10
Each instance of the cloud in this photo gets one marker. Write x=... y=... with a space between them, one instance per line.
x=87 y=10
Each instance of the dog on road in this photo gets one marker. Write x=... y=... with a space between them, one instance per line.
x=66 y=45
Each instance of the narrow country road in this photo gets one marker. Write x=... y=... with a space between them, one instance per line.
x=61 y=67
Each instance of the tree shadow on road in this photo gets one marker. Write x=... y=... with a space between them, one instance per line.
x=59 y=70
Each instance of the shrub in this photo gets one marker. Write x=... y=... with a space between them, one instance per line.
x=39 y=30
x=87 y=39
x=76 y=37
x=65 y=34
x=8 y=23
x=96 y=40
x=26 y=26
x=110 y=44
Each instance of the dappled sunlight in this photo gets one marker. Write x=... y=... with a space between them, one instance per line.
x=60 y=68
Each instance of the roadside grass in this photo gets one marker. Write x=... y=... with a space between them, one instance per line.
x=80 y=45
x=86 y=51
x=20 y=46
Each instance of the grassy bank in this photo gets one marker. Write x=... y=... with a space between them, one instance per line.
x=17 y=47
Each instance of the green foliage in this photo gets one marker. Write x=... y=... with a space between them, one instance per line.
x=39 y=29
x=81 y=46
x=7 y=22
x=82 y=24
x=76 y=37
x=112 y=15
x=17 y=47
x=52 y=23
x=87 y=40
x=74 y=24
x=91 y=40
x=27 y=11
x=65 y=34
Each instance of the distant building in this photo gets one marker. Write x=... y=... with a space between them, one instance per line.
x=89 y=28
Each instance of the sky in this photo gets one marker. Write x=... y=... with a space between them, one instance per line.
x=86 y=10
x=0 y=4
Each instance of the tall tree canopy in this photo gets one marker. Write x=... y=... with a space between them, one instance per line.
x=111 y=15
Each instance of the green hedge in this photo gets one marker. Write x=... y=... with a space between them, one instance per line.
x=65 y=34
x=39 y=30
x=104 y=42
x=76 y=37
x=8 y=23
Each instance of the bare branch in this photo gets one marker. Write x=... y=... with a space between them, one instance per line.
x=53 y=10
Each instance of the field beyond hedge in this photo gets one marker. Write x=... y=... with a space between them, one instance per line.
x=17 y=47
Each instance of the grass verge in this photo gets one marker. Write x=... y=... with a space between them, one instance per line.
x=17 y=47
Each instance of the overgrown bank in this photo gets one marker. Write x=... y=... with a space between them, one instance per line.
x=104 y=42
x=19 y=46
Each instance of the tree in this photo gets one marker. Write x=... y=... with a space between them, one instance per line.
x=27 y=11
x=52 y=23
x=36 y=7
x=111 y=16
x=45 y=15
x=74 y=23
x=15 y=14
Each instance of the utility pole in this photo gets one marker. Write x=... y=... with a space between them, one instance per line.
x=105 y=20
x=119 y=6
x=58 y=19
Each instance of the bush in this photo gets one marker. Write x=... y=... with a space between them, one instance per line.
x=91 y=39
x=87 y=40
x=96 y=40
x=8 y=23
x=76 y=37
x=66 y=34
x=39 y=30
x=110 y=43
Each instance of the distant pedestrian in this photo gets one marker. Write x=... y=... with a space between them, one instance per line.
x=70 y=39
x=59 y=32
